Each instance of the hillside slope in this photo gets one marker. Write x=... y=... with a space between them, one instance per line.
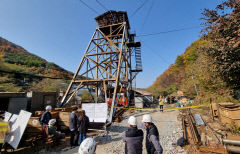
x=210 y=66
x=16 y=62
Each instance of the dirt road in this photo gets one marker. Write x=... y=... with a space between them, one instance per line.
x=169 y=130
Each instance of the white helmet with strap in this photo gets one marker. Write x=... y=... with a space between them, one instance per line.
x=88 y=146
x=147 y=118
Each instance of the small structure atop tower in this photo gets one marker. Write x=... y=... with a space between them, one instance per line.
x=112 y=17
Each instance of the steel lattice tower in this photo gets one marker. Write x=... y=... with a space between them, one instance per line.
x=106 y=63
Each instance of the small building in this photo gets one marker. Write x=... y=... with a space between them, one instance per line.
x=13 y=102
x=29 y=101
x=39 y=100
x=147 y=96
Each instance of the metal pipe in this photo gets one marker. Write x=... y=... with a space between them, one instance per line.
x=233 y=142
x=234 y=149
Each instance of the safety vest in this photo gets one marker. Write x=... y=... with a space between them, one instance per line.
x=161 y=101
x=4 y=129
x=47 y=132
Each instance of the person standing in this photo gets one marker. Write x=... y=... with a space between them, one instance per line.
x=4 y=130
x=83 y=121
x=73 y=126
x=133 y=137
x=152 y=136
x=44 y=119
x=46 y=116
x=161 y=102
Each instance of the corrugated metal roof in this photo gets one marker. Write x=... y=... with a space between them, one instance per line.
x=143 y=92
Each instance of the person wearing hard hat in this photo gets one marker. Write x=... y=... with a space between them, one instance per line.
x=46 y=116
x=133 y=137
x=52 y=130
x=152 y=136
x=88 y=146
x=44 y=119
x=4 y=130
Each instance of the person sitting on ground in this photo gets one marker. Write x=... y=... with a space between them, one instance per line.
x=133 y=137
x=52 y=130
x=83 y=123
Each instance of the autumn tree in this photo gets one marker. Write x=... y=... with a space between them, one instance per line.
x=223 y=30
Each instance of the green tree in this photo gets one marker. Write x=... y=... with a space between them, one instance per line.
x=48 y=85
x=86 y=96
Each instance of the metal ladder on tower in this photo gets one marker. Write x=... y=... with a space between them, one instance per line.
x=138 y=59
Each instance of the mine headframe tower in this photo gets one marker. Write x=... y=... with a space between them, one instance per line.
x=106 y=65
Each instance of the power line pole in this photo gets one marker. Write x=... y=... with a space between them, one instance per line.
x=195 y=86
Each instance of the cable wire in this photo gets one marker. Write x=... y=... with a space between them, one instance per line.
x=89 y=7
x=156 y=53
x=102 y=5
x=146 y=17
x=105 y=8
x=169 y=31
x=138 y=8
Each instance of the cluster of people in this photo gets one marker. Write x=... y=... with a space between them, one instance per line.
x=134 y=136
x=78 y=126
x=49 y=126
x=165 y=100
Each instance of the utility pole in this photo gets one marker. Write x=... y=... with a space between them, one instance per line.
x=195 y=86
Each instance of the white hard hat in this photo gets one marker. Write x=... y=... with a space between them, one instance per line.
x=49 y=107
x=51 y=121
x=132 y=120
x=147 y=118
x=88 y=146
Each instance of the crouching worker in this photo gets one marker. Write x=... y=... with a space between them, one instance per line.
x=52 y=130
x=133 y=137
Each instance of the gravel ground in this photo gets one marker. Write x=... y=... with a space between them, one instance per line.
x=168 y=126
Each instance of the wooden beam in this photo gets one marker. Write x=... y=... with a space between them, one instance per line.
x=103 y=53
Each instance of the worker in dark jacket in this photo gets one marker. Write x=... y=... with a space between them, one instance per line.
x=44 y=119
x=46 y=116
x=83 y=123
x=73 y=126
x=133 y=137
x=152 y=137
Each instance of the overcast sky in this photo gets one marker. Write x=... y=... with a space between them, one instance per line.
x=59 y=30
